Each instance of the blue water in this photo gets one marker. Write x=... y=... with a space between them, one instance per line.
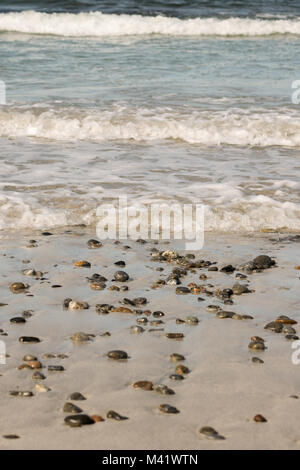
x=159 y=110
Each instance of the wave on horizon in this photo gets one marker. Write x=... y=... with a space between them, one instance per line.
x=97 y=24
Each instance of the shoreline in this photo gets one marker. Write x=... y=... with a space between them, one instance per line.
x=224 y=388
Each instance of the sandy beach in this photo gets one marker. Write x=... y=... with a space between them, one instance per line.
x=224 y=388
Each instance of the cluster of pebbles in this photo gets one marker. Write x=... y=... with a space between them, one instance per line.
x=181 y=267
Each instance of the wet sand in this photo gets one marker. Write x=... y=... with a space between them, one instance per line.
x=224 y=389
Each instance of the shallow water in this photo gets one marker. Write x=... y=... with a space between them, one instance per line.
x=192 y=107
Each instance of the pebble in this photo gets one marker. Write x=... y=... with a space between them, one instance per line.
x=18 y=287
x=158 y=314
x=292 y=337
x=38 y=376
x=78 y=305
x=210 y=433
x=176 y=357
x=144 y=385
x=98 y=285
x=163 y=389
x=176 y=377
x=94 y=244
x=80 y=337
x=11 y=436
x=56 y=368
x=191 y=321
x=29 y=357
x=78 y=420
x=168 y=409
x=136 y=329
x=82 y=264
x=181 y=369
x=257 y=345
x=239 y=289
x=114 y=415
x=117 y=355
x=227 y=269
x=174 y=335
x=77 y=396
x=224 y=314
x=42 y=388
x=213 y=308
x=32 y=365
x=29 y=339
x=17 y=320
x=263 y=262
x=182 y=290
x=276 y=327
x=257 y=360
x=17 y=393
x=260 y=419
x=71 y=408
x=121 y=276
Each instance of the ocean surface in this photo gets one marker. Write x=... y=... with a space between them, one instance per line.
x=172 y=101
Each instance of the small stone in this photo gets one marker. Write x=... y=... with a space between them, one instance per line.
x=80 y=337
x=114 y=415
x=11 y=436
x=18 y=287
x=17 y=393
x=117 y=355
x=239 y=289
x=181 y=369
x=34 y=364
x=121 y=310
x=70 y=408
x=29 y=339
x=176 y=377
x=257 y=345
x=168 y=409
x=191 y=321
x=136 y=329
x=98 y=285
x=144 y=385
x=56 y=368
x=78 y=305
x=77 y=396
x=163 y=389
x=263 y=262
x=174 y=335
x=210 y=433
x=94 y=244
x=257 y=338
x=227 y=269
x=17 y=320
x=82 y=264
x=292 y=337
x=224 y=314
x=38 y=376
x=29 y=357
x=42 y=388
x=182 y=290
x=260 y=419
x=121 y=276
x=257 y=360
x=213 y=308
x=176 y=357
x=76 y=421
x=274 y=326
x=158 y=314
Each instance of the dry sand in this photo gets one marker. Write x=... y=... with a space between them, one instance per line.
x=224 y=389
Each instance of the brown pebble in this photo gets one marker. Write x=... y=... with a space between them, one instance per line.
x=144 y=385
x=97 y=418
x=260 y=419
x=174 y=335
